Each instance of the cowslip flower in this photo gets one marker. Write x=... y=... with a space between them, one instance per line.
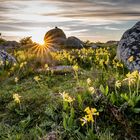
x=90 y=112
x=84 y=120
x=37 y=78
x=16 y=79
x=89 y=81
x=46 y=66
x=75 y=67
x=16 y=98
x=132 y=77
x=66 y=97
x=22 y=64
x=91 y=90
x=118 y=84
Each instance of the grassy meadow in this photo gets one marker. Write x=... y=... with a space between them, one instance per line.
x=99 y=99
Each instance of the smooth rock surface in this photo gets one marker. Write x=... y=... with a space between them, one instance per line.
x=74 y=42
x=57 y=69
x=55 y=38
x=128 y=50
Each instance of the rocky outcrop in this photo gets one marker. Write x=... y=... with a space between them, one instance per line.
x=55 y=38
x=74 y=42
x=6 y=59
x=128 y=50
x=9 y=45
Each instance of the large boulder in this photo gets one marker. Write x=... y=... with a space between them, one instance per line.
x=6 y=59
x=74 y=42
x=128 y=50
x=55 y=38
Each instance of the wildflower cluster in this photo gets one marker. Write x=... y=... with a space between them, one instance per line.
x=66 y=97
x=22 y=64
x=102 y=56
x=16 y=98
x=132 y=77
x=89 y=117
x=91 y=89
x=116 y=63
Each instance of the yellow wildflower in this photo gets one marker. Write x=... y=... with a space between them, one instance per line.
x=16 y=79
x=91 y=89
x=118 y=84
x=132 y=77
x=87 y=110
x=66 y=97
x=25 y=63
x=119 y=64
x=37 y=78
x=101 y=62
x=46 y=67
x=21 y=65
x=84 y=120
x=16 y=98
x=89 y=115
x=89 y=81
x=75 y=67
x=15 y=64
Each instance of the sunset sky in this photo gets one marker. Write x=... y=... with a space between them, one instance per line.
x=95 y=20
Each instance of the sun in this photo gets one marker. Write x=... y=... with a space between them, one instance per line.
x=38 y=39
x=38 y=36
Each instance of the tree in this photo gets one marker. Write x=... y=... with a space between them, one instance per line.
x=26 y=42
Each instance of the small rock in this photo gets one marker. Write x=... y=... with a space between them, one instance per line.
x=51 y=136
x=94 y=46
x=57 y=69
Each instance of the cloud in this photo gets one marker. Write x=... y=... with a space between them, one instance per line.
x=81 y=18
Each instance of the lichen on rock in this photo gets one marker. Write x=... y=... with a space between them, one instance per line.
x=129 y=46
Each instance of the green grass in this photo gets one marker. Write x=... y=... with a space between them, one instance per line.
x=43 y=110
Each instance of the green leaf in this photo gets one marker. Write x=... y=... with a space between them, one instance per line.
x=102 y=89
x=125 y=96
x=107 y=90
x=113 y=97
x=64 y=120
x=79 y=98
x=72 y=112
x=136 y=110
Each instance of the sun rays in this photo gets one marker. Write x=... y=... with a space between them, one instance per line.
x=43 y=51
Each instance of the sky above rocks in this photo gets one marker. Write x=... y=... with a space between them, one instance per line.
x=95 y=20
